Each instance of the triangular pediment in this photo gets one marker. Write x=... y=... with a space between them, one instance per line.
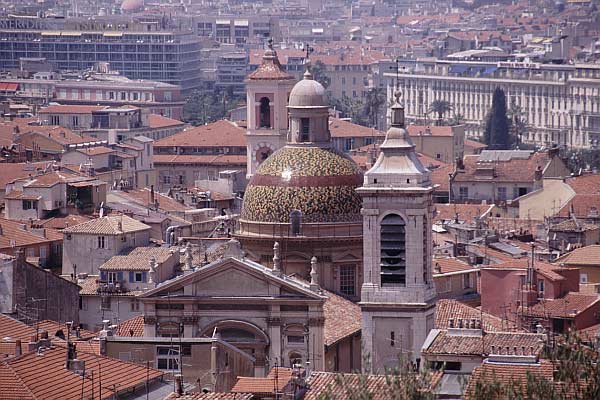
x=231 y=277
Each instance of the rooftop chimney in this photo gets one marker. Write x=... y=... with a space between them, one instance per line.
x=18 y=348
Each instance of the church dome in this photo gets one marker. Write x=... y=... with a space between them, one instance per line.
x=319 y=182
x=308 y=93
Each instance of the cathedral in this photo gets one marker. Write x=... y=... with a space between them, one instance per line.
x=328 y=265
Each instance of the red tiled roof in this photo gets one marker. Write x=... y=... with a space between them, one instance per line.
x=566 y=307
x=70 y=109
x=341 y=128
x=96 y=151
x=12 y=386
x=447 y=309
x=585 y=184
x=19 y=195
x=159 y=121
x=52 y=327
x=133 y=327
x=582 y=206
x=544 y=268
x=13 y=171
x=341 y=386
x=210 y=396
x=109 y=225
x=515 y=170
x=63 y=221
x=465 y=212
x=507 y=373
x=46 y=377
x=278 y=378
x=449 y=264
x=342 y=318
x=15 y=234
x=59 y=134
x=474 y=144
x=588 y=255
x=453 y=342
x=216 y=134
x=54 y=177
x=165 y=203
x=270 y=69
x=219 y=159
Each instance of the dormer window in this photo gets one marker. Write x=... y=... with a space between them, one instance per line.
x=304 y=129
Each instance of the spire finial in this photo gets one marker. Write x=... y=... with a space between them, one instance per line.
x=397 y=111
x=270 y=43
x=308 y=49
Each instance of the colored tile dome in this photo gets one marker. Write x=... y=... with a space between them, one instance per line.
x=132 y=5
x=319 y=182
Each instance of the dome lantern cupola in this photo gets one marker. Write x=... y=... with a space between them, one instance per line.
x=309 y=112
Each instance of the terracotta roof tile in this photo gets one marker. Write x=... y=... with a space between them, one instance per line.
x=474 y=144
x=63 y=221
x=108 y=226
x=515 y=170
x=211 y=396
x=341 y=128
x=588 y=255
x=541 y=267
x=328 y=383
x=568 y=306
x=56 y=133
x=142 y=196
x=449 y=265
x=453 y=341
x=47 y=378
x=507 y=373
x=447 y=309
x=52 y=327
x=582 y=206
x=429 y=130
x=217 y=134
x=15 y=234
x=96 y=151
x=585 y=184
x=133 y=327
x=278 y=378
x=465 y=212
x=159 y=121
x=13 y=171
x=342 y=318
x=138 y=259
x=12 y=386
x=54 y=177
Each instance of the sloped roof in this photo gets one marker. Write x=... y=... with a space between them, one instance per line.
x=159 y=121
x=70 y=109
x=515 y=170
x=322 y=383
x=588 y=255
x=343 y=318
x=133 y=327
x=109 y=225
x=137 y=259
x=464 y=212
x=270 y=69
x=278 y=377
x=15 y=234
x=447 y=342
x=341 y=128
x=568 y=306
x=447 y=309
x=216 y=134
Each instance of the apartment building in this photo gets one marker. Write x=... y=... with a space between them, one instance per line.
x=561 y=103
x=145 y=49
x=237 y=31
x=98 y=90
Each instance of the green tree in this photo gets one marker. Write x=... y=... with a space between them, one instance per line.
x=497 y=126
x=318 y=71
x=518 y=122
x=375 y=99
x=457 y=119
x=201 y=107
x=350 y=108
x=439 y=107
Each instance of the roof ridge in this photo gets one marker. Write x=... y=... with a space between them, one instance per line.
x=18 y=377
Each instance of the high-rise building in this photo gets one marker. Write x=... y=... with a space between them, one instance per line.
x=138 y=50
x=398 y=294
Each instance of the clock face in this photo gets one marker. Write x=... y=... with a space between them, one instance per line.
x=262 y=151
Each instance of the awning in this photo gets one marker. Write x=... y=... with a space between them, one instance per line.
x=458 y=69
x=8 y=86
x=238 y=22
x=490 y=70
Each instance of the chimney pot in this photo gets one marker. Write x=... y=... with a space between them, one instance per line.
x=18 y=348
x=451 y=322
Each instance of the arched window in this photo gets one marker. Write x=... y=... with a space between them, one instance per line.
x=265 y=113
x=393 y=251
x=296 y=222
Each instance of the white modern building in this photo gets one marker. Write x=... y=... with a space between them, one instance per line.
x=561 y=103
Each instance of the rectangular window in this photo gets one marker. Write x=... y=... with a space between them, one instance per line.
x=295 y=339
x=501 y=193
x=541 y=286
x=463 y=192
x=112 y=277
x=27 y=204
x=167 y=358
x=348 y=144
x=135 y=305
x=105 y=303
x=347 y=280
x=101 y=242
x=393 y=339
x=138 y=277
x=467 y=281
x=304 y=129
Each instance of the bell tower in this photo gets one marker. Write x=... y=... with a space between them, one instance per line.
x=398 y=295
x=267 y=92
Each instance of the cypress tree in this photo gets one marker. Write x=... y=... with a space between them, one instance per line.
x=497 y=126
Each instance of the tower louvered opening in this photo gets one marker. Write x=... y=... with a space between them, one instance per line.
x=393 y=251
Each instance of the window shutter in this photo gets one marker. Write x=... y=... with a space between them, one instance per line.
x=120 y=276
x=131 y=276
x=143 y=276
